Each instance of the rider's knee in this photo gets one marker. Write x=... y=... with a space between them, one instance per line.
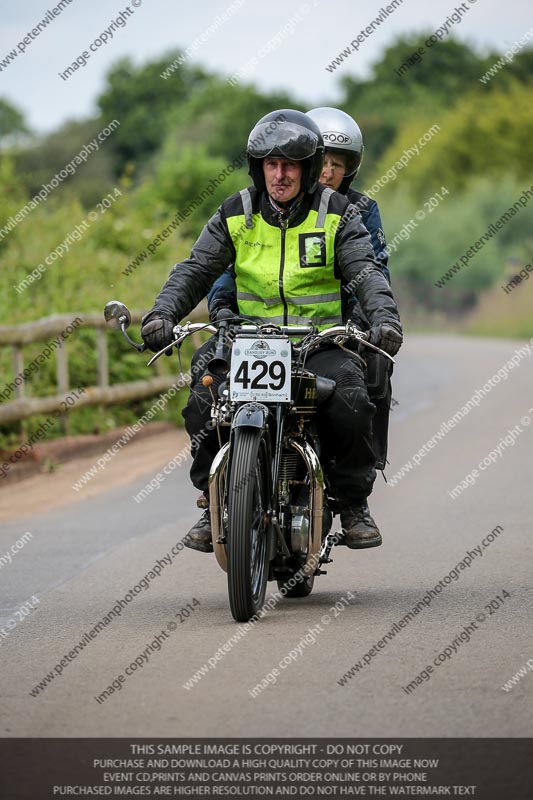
x=353 y=409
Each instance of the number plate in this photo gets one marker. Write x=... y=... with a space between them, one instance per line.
x=261 y=370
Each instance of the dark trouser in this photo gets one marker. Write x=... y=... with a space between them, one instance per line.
x=378 y=381
x=197 y=414
x=344 y=423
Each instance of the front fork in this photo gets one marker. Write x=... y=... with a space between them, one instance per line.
x=248 y=415
x=255 y=415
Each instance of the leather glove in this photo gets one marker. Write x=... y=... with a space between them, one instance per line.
x=157 y=332
x=217 y=305
x=386 y=336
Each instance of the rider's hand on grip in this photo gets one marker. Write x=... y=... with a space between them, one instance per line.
x=157 y=333
x=217 y=306
x=222 y=316
x=223 y=313
x=386 y=336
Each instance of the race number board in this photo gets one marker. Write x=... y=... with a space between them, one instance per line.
x=261 y=370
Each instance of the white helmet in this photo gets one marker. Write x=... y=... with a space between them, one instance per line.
x=341 y=134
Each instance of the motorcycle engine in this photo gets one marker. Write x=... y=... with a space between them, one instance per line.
x=299 y=529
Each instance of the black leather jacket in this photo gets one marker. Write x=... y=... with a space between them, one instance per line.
x=190 y=280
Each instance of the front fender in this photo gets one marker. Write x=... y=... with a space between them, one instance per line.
x=250 y=415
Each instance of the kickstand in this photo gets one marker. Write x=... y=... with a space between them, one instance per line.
x=330 y=540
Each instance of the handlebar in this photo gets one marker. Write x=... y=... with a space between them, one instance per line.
x=117 y=316
x=181 y=332
x=348 y=331
x=285 y=330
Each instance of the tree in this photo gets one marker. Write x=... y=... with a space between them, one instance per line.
x=142 y=101
x=485 y=134
x=221 y=116
x=403 y=84
x=38 y=164
x=521 y=67
x=11 y=121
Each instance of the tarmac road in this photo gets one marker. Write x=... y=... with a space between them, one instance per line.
x=89 y=548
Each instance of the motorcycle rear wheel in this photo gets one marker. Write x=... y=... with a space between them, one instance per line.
x=247 y=541
x=302 y=589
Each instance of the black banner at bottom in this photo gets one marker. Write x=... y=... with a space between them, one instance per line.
x=485 y=769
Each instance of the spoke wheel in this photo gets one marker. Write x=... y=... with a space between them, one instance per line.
x=247 y=541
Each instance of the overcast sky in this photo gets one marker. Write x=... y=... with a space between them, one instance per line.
x=315 y=32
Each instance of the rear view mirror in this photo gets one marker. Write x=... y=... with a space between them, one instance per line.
x=116 y=315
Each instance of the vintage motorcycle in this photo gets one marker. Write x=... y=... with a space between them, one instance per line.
x=270 y=502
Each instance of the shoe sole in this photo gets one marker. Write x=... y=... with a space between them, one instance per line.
x=201 y=547
x=363 y=545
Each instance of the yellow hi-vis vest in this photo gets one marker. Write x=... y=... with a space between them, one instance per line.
x=286 y=275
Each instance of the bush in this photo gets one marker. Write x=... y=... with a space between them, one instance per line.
x=484 y=135
x=440 y=239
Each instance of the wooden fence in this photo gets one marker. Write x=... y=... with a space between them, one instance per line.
x=16 y=336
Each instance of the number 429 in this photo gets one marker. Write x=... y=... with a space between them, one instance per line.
x=275 y=371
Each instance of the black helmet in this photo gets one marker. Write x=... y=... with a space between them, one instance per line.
x=286 y=134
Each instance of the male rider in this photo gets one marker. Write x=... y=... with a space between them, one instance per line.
x=344 y=148
x=292 y=242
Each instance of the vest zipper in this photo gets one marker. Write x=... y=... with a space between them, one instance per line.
x=284 y=224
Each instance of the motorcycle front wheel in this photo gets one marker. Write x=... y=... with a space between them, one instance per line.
x=247 y=542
